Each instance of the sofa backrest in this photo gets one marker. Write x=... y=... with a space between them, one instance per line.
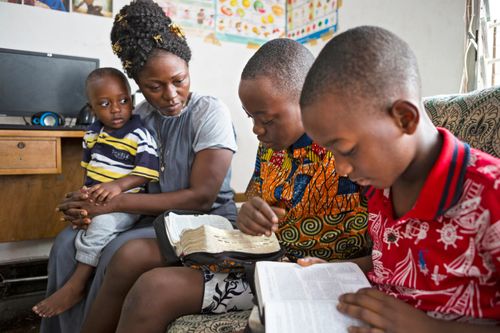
x=473 y=117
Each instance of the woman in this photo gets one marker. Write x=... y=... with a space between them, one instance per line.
x=196 y=144
x=295 y=192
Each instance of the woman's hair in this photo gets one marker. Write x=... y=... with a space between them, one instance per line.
x=139 y=29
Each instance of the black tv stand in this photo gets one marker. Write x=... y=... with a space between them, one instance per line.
x=43 y=128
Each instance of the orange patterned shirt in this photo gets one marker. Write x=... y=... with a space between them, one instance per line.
x=326 y=215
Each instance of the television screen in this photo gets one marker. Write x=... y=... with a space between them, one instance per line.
x=32 y=82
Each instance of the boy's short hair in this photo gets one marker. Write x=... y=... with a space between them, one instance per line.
x=282 y=60
x=106 y=71
x=368 y=64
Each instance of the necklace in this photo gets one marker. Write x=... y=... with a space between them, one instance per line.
x=161 y=146
x=159 y=126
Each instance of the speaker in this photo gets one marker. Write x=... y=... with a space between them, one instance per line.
x=47 y=118
x=85 y=116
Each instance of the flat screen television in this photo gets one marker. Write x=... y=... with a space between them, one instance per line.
x=32 y=82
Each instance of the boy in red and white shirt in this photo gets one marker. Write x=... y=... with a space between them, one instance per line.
x=433 y=201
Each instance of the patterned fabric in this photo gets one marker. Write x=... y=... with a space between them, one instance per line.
x=443 y=256
x=473 y=117
x=221 y=323
x=130 y=150
x=325 y=217
x=225 y=292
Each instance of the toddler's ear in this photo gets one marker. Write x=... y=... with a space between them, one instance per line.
x=406 y=116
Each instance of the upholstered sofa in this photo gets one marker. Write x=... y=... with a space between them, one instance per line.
x=473 y=117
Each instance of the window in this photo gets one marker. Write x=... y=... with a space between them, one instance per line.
x=482 y=52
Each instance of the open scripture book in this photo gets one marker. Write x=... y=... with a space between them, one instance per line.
x=211 y=240
x=299 y=299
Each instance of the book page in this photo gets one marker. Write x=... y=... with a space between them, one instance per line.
x=277 y=281
x=214 y=240
x=175 y=224
x=306 y=316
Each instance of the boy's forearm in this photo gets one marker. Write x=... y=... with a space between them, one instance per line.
x=365 y=263
x=129 y=182
x=456 y=327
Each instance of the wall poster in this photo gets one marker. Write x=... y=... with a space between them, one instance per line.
x=311 y=19
x=194 y=16
x=250 y=21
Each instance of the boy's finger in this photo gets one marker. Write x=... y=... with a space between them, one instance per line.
x=257 y=223
x=280 y=212
x=366 y=315
x=308 y=261
x=264 y=208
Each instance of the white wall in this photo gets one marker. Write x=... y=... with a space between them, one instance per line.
x=434 y=29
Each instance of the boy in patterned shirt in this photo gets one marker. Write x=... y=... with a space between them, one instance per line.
x=119 y=155
x=433 y=202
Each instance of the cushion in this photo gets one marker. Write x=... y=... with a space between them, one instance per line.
x=213 y=323
x=473 y=117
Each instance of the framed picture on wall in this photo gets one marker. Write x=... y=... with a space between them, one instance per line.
x=61 y=5
x=93 y=7
x=13 y=1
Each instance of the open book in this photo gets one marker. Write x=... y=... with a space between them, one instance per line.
x=210 y=239
x=299 y=299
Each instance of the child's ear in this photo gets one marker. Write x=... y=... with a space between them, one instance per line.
x=406 y=115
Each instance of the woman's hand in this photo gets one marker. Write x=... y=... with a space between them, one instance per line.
x=384 y=313
x=257 y=218
x=78 y=209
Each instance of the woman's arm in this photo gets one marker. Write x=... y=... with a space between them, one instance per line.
x=209 y=169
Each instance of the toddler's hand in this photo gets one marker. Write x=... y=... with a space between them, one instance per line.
x=104 y=192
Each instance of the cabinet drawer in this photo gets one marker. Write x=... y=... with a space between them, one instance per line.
x=29 y=155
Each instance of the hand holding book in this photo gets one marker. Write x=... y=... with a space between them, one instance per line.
x=309 y=301
x=210 y=241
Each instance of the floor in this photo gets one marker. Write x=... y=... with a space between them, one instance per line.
x=26 y=324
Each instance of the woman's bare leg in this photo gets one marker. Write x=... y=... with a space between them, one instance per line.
x=159 y=297
x=130 y=261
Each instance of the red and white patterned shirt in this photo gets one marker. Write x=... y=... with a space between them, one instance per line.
x=443 y=256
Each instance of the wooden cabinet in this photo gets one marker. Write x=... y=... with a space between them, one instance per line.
x=37 y=168
x=27 y=155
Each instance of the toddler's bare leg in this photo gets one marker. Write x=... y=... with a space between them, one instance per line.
x=71 y=293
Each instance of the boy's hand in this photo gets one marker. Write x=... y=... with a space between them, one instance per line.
x=257 y=218
x=384 y=313
x=308 y=261
x=103 y=192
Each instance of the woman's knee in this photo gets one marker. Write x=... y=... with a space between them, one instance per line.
x=166 y=287
x=135 y=257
